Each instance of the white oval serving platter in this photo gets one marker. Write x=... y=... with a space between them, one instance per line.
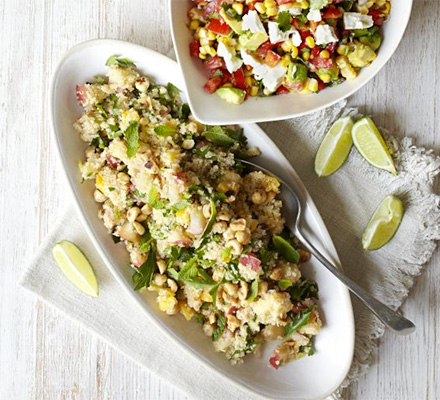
x=309 y=378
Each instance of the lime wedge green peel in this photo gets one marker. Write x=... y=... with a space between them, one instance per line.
x=383 y=224
x=370 y=144
x=334 y=148
x=76 y=267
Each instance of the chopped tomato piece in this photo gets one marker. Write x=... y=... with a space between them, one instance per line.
x=218 y=26
x=212 y=7
x=320 y=62
x=272 y=58
x=265 y=47
x=321 y=84
x=281 y=2
x=213 y=84
x=194 y=48
x=331 y=47
x=214 y=62
x=304 y=36
x=238 y=79
x=332 y=12
x=295 y=86
x=377 y=17
x=313 y=25
x=282 y=90
x=226 y=76
x=300 y=26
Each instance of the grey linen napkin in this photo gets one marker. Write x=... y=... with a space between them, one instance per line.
x=346 y=201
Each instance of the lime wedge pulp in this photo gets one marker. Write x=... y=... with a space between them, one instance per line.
x=76 y=267
x=334 y=148
x=369 y=142
x=383 y=224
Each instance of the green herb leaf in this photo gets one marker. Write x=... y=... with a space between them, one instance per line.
x=99 y=79
x=304 y=289
x=284 y=21
x=253 y=292
x=145 y=243
x=121 y=62
x=189 y=270
x=286 y=249
x=165 y=130
x=172 y=89
x=298 y=321
x=146 y=270
x=184 y=112
x=132 y=138
x=180 y=205
x=218 y=136
x=221 y=325
x=213 y=292
x=199 y=318
x=284 y=283
x=101 y=110
x=154 y=198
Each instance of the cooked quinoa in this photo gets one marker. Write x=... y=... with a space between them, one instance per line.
x=203 y=233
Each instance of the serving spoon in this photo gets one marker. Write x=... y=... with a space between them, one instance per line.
x=293 y=211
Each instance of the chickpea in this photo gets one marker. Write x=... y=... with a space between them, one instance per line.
x=133 y=213
x=99 y=196
x=259 y=196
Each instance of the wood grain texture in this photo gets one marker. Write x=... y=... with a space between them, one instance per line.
x=43 y=355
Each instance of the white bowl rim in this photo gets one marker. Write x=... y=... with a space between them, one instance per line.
x=168 y=331
x=256 y=119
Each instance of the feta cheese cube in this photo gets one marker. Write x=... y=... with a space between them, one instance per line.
x=252 y=22
x=276 y=35
x=296 y=38
x=325 y=34
x=314 y=15
x=353 y=20
x=295 y=11
x=228 y=54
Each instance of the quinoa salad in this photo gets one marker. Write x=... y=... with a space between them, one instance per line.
x=261 y=48
x=204 y=234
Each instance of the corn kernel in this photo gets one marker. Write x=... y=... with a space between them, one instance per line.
x=285 y=61
x=254 y=90
x=270 y=3
x=325 y=78
x=248 y=80
x=238 y=8
x=99 y=182
x=210 y=35
x=294 y=52
x=271 y=12
x=202 y=56
x=186 y=311
x=205 y=296
x=304 y=4
x=212 y=51
x=312 y=84
x=260 y=7
x=287 y=45
x=341 y=49
x=194 y=24
x=325 y=54
x=310 y=42
x=306 y=55
x=203 y=33
x=204 y=42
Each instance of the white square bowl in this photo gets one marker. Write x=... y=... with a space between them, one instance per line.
x=211 y=109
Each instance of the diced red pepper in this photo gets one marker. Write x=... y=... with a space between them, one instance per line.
x=218 y=26
x=214 y=62
x=321 y=84
x=194 y=48
x=272 y=58
x=238 y=79
x=213 y=84
x=332 y=12
x=282 y=90
x=264 y=48
x=377 y=17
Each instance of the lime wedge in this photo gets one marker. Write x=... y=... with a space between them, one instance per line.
x=76 y=267
x=369 y=142
x=334 y=148
x=383 y=224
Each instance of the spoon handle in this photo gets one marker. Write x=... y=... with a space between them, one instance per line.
x=390 y=318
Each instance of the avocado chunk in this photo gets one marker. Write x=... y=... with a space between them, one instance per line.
x=235 y=25
x=296 y=72
x=361 y=56
x=252 y=41
x=373 y=41
x=231 y=95
x=333 y=72
x=318 y=4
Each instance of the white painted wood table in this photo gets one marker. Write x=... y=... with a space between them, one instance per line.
x=43 y=355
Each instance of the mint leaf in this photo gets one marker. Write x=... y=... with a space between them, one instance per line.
x=218 y=136
x=180 y=205
x=304 y=289
x=132 y=139
x=164 y=130
x=121 y=62
x=253 y=292
x=144 y=275
x=189 y=270
x=172 y=88
x=284 y=21
x=286 y=249
x=284 y=283
x=154 y=198
x=221 y=325
x=211 y=221
x=298 y=321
